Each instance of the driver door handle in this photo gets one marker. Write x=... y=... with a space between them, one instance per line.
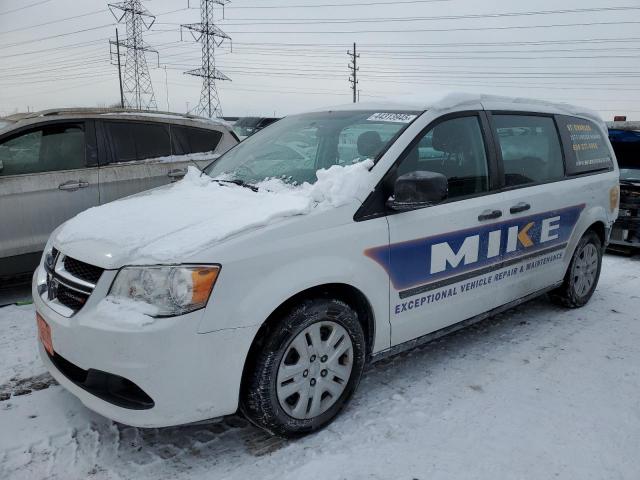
x=520 y=207
x=489 y=215
x=73 y=185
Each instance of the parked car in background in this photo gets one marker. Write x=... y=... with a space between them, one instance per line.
x=57 y=163
x=625 y=139
x=247 y=126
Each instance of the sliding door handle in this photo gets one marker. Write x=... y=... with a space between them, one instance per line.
x=73 y=185
x=489 y=215
x=520 y=207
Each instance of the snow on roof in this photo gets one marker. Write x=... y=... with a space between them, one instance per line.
x=446 y=99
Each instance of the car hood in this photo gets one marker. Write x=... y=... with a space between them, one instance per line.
x=176 y=222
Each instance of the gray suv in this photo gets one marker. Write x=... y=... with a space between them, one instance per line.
x=57 y=163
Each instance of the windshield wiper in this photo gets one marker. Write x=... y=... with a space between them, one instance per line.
x=240 y=183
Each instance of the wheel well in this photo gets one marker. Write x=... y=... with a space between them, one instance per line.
x=340 y=291
x=599 y=230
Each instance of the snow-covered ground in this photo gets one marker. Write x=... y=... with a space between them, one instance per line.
x=537 y=393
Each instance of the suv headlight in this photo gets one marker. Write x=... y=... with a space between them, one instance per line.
x=173 y=290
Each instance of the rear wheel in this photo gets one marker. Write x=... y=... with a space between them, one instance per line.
x=306 y=370
x=584 y=271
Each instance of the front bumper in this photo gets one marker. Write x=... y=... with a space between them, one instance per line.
x=188 y=376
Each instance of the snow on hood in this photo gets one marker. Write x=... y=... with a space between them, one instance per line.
x=183 y=218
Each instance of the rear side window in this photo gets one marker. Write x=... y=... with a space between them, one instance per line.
x=132 y=141
x=530 y=148
x=186 y=140
x=55 y=147
x=588 y=144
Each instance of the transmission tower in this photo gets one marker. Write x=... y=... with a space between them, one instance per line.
x=353 y=67
x=211 y=37
x=136 y=82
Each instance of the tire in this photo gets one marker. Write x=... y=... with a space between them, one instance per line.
x=582 y=275
x=334 y=341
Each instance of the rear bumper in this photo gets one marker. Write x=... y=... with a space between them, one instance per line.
x=155 y=375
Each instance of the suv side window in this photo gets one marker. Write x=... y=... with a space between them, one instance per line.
x=456 y=149
x=133 y=141
x=185 y=140
x=530 y=147
x=590 y=151
x=51 y=148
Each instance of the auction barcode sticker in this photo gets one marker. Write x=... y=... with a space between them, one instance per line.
x=392 y=117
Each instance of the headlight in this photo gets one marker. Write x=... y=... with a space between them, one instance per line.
x=174 y=290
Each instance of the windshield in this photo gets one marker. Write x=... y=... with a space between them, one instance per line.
x=630 y=174
x=294 y=148
x=626 y=144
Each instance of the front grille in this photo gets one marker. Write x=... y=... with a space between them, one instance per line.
x=70 y=298
x=81 y=270
x=70 y=282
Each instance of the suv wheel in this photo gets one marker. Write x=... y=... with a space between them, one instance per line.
x=584 y=271
x=307 y=369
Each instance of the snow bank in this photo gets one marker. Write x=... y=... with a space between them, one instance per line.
x=185 y=217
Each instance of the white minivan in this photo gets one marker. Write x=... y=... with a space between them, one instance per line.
x=328 y=240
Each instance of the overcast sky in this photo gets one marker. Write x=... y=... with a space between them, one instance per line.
x=290 y=56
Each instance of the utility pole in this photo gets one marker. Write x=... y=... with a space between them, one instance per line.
x=166 y=87
x=211 y=37
x=353 y=66
x=119 y=69
x=137 y=88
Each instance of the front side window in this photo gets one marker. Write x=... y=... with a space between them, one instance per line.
x=294 y=148
x=530 y=147
x=455 y=148
x=51 y=148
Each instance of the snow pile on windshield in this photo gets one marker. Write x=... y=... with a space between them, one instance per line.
x=185 y=217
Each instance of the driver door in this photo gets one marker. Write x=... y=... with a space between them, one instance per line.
x=440 y=257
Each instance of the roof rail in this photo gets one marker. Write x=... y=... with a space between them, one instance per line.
x=98 y=110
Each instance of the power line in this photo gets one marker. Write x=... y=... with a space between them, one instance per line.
x=54 y=21
x=367 y=4
x=54 y=36
x=24 y=7
x=449 y=29
x=310 y=21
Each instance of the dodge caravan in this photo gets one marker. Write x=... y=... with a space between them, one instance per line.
x=265 y=283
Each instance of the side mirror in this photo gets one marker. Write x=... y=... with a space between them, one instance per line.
x=418 y=189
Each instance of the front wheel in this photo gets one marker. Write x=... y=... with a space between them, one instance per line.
x=306 y=370
x=584 y=271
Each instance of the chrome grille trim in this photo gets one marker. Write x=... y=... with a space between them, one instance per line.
x=66 y=304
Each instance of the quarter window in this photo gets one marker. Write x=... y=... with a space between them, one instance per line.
x=52 y=148
x=588 y=144
x=454 y=148
x=530 y=147
x=186 y=140
x=133 y=141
